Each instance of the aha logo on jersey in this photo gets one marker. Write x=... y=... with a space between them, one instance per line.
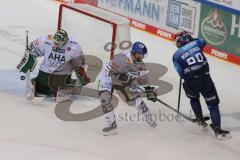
x=57 y=57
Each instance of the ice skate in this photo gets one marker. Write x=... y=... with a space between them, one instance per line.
x=220 y=134
x=110 y=129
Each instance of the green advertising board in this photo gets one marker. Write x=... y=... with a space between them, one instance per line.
x=220 y=29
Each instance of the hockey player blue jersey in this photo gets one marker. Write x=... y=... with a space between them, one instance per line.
x=189 y=60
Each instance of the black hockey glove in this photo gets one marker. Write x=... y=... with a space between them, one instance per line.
x=151 y=93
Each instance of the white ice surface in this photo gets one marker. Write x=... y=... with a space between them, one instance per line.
x=31 y=130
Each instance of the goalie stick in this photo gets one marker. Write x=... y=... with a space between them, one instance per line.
x=27 y=75
x=29 y=86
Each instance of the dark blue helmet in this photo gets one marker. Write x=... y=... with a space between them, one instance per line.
x=139 y=47
x=182 y=38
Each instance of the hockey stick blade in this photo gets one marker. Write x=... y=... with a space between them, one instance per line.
x=205 y=118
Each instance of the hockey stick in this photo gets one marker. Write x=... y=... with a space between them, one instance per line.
x=141 y=89
x=181 y=114
x=175 y=110
x=179 y=94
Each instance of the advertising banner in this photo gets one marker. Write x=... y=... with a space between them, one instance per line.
x=219 y=27
x=91 y=2
x=166 y=15
x=181 y=16
x=221 y=30
x=234 y=4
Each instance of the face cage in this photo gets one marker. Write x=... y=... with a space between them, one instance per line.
x=58 y=44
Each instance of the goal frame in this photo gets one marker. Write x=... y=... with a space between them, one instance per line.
x=114 y=25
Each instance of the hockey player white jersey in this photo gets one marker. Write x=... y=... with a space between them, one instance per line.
x=122 y=64
x=60 y=61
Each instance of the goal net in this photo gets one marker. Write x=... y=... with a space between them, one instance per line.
x=95 y=29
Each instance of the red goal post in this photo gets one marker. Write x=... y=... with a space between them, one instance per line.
x=94 y=28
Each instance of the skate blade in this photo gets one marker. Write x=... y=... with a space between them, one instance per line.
x=225 y=136
x=110 y=133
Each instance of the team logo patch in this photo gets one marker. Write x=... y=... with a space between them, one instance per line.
x=59 y=50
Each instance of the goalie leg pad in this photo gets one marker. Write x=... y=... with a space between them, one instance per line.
x=28 y=62
x=41 y=83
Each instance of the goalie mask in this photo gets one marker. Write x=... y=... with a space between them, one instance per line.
x=182 y=38
x=60 y=38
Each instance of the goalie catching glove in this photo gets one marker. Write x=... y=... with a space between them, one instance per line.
x=151 y=93
x=82 y=76
x=28 y=62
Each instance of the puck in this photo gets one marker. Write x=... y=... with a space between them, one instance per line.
x=22 y=78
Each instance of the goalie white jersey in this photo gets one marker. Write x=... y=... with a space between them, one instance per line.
x=60 y=61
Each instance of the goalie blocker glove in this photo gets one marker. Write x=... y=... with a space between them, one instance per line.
x=28 y=62
x=151 y=93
